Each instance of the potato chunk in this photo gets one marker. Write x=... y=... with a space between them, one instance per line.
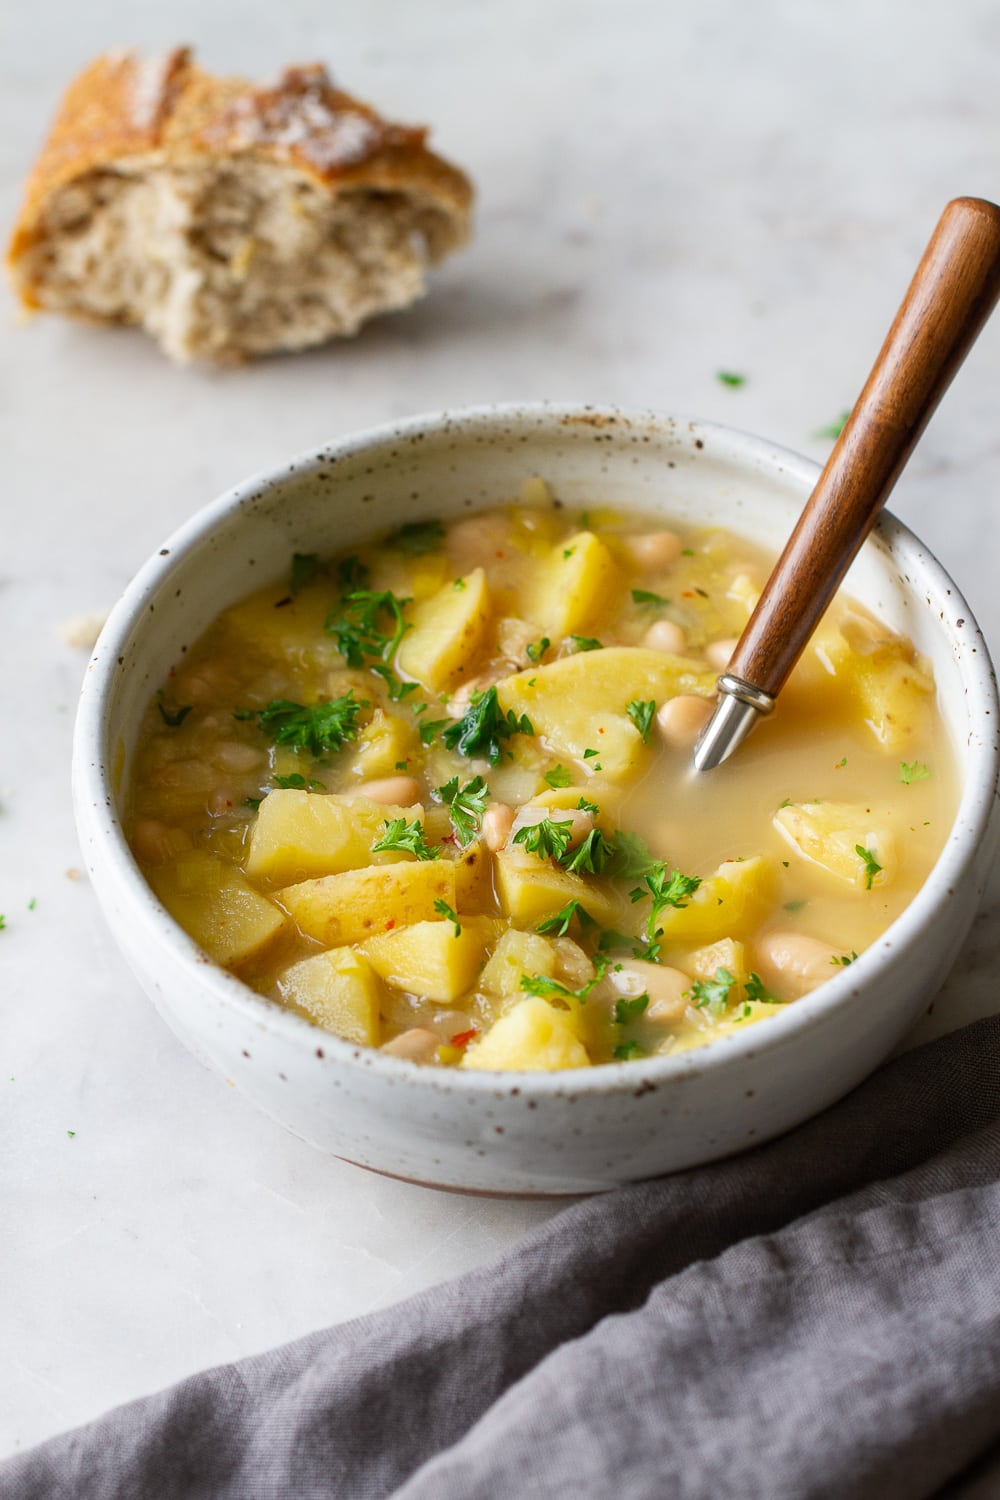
x=579 y=702
x=448 y=631
x=531 y=889
x=533 y=1037
x=727 y=953
x=576 y=585
x=218 y=908
x=517 y=953
x=728 y=903
x=829 y=834
x=359 y=904
x=300 y=834
x=428 y=959
x=339 y=991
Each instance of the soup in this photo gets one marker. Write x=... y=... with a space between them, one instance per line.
x=436 y=796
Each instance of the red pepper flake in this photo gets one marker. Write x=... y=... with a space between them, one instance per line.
x=463 y=1038
x=688 y=594
x=390 y=924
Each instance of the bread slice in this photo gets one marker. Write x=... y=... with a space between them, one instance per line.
x=229 y=219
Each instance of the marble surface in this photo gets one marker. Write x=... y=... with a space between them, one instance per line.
x=665 y=191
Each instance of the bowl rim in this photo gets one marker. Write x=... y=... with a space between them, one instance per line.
x=102 y=837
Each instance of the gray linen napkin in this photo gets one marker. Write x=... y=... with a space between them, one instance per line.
x=817 y=1318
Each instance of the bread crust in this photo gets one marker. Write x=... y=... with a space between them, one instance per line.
x=151 y=111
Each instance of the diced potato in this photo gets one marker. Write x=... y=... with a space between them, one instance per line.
x=861 y=664
x=474 y=880
x=727 y=953
x=829 y=834
x=339 y=991
x=532 y=1037
x=428 y=959
x=448 y=630
x=579 y=702
x=576 y=586
x=728 y=903
x=382 y=745
x=358 y=904
x=517 y=953
x=301 y=834
x=293 y=634
x=215 y=904
x=530 y=889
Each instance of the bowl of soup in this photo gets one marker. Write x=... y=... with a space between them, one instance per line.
x=383 y=776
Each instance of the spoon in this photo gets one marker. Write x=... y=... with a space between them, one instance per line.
x=952 y=294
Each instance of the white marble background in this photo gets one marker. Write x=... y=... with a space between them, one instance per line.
x=666 y=190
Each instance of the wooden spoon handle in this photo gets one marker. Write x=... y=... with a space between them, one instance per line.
x=952 y=294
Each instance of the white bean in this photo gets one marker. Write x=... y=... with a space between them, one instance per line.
x=580 y=822
x=667 y=637
x=416 y=1045
x=680 y=720
x=395 y=791
x=665 y=987
x=155 y=842
x=221 y=802
x=234 y=755
x=794 y=962
x=498 y=820
x=652 y=551
x=719 y=653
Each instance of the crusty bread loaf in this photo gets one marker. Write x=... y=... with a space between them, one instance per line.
x=228 y=219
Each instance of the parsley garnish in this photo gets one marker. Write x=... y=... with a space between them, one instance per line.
x=418 y=537
x=835 y=428
x=727 y=377
x=172 y=720
x=315 y=727
x=713 y=993
x=611 y=940
x=585 y=643
x=625 y=1051
x=467 y=804
x=483 y=726
x=631 y=857
x=536 y=649
x=357 y=630
x=755 y=990
x=629 y=1008
x=397 y=690
x=559 y=924
x=795 y=905
x=430 y=728
x=305 y=566
x=408 y=836
x=911 y=771
x=558 y=776
x=568 y=553
x=844 y=959
x=538 y=984
x=444 y=910
x=584 y=806
x=665 y=890
x=591 y=754
x=253 y=802
x=590 y=857
x=547 y=839
x=871 y=864
x=297 y=780
x=3 y=921
x=641 y=715
x=352 y=575
x=646 y=596
x=459 y=585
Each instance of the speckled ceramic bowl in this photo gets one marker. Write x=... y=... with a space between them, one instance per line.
x=527 y=1133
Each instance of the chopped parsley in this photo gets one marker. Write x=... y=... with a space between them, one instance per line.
x=297 y=780
x=584 y=806
x=538 y=984
x=32 y=903
x=646 y=596
x=835 y=428
x=548 y=839
x=430 y=729
x=666 y=890
x=305 y=566
x=844 y=959
x=568 y=553
x=459 y=586
x=352 y=575
x=795 y=905
x=871 y=864
x=754 y=989
x=590 y=857
x=631 y=857
x=558 y=776
x=405 y=836
x=444 y=910
x=174 y=718
x=535 y=650
x=584 y=643
x=3 y=921
x=629 y=1008
x=467 y=805
x=357 y=628
x=397 y=690
x=253 y=803
x=483 y=726
x=641 y=715
x=559 y=924
x=728 y=377
x=626 y=1051
x=316 y=727
x=591 y=754
x=911 y=771
x=417 y=538
x=713 y=993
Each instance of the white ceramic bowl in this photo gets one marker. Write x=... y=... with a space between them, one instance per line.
x=527 y=1133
